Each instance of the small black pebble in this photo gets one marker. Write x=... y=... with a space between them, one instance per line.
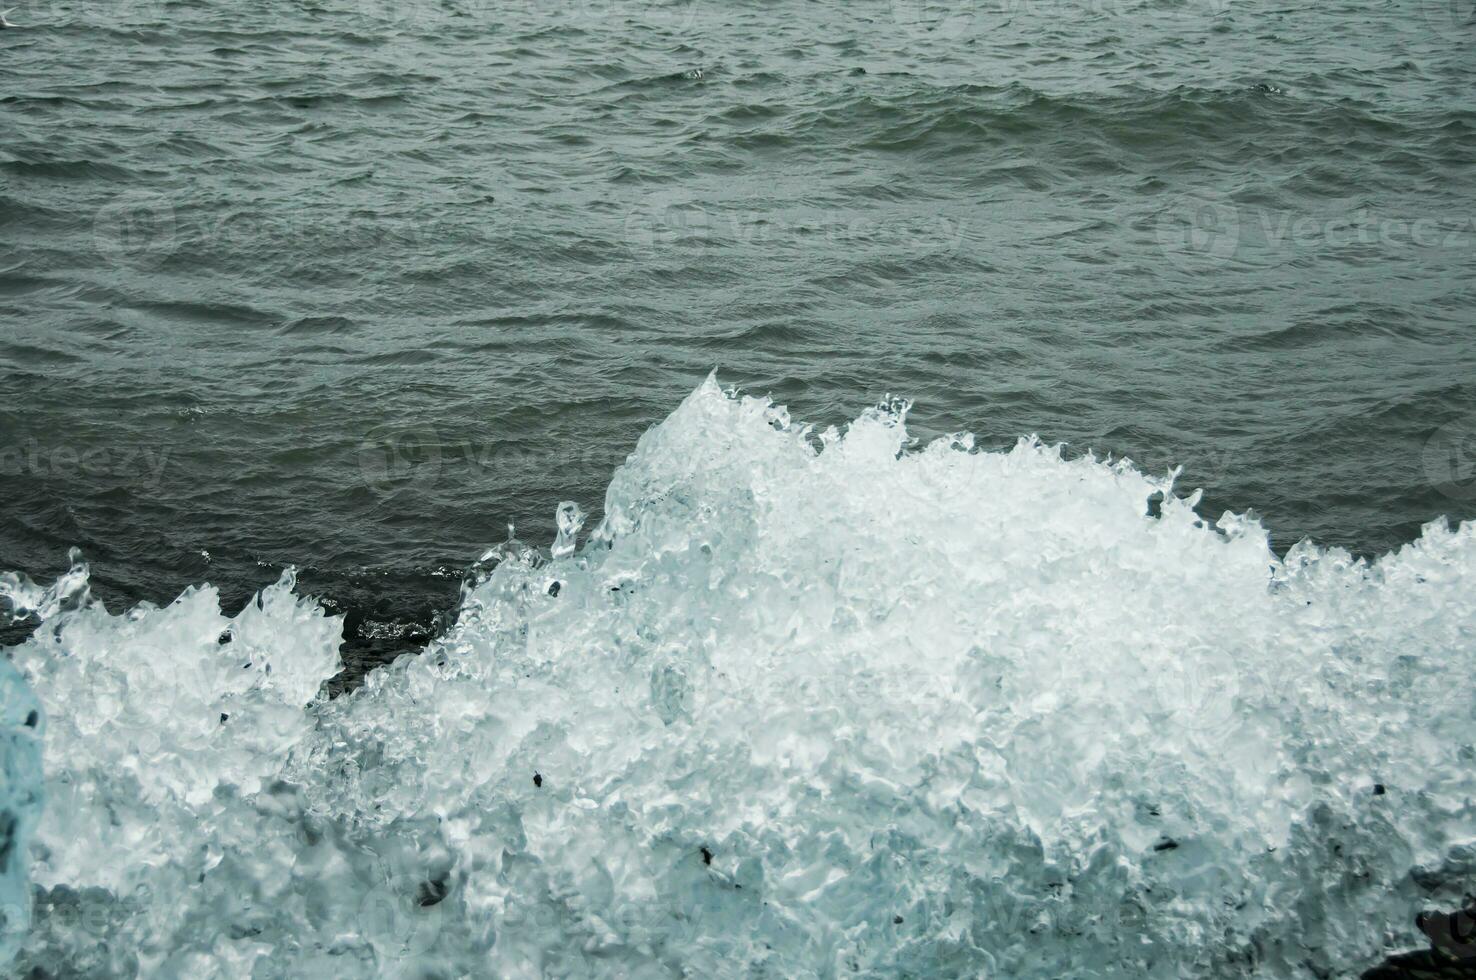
x=537 y=780
x=1378 y=789
x=1167 y=845
x=706 y=856
x=896 y=920
x=553 y=588
x=430 y=893
x=224 y=717
x=31 y=719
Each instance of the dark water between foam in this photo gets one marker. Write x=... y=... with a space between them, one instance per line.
x=353 y=286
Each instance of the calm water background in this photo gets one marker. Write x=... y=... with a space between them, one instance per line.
x=352 y=286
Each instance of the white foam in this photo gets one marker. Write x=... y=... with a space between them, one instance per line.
x=21 y=798
x=804 y=705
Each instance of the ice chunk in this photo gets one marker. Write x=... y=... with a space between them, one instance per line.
x=798 y=708
x=21 y=730
x=570 y=519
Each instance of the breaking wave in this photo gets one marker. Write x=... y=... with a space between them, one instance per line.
x=805 y=704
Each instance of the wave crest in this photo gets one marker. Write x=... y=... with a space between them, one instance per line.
x=804 y=704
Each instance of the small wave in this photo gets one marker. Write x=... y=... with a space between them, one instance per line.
x=65 y=169
x=319 y=325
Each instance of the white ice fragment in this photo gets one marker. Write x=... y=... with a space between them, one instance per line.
x=27 y=599
x=570 y=519
x=815 y=706
x=22 y=728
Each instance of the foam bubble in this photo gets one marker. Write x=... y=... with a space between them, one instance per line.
x=804 y=704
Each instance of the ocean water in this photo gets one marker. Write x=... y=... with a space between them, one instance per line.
x=350 y=287
x=328 y=295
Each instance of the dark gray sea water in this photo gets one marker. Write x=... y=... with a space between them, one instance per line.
x=352 y=286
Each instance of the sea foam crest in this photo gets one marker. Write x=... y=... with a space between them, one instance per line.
x=803 y=705
x=21 y=798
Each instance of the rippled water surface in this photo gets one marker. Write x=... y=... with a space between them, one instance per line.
x=353 y=286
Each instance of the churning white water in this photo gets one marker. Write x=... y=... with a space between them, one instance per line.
x=806 y=704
